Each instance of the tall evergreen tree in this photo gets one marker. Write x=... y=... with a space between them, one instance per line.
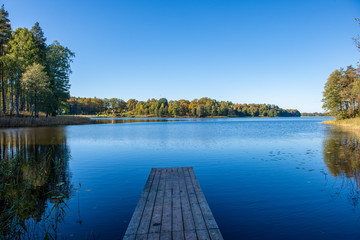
x=40 y=42
x=5 y=35
x=58 y=60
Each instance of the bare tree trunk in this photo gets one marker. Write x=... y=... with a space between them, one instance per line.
x=3 y=90
x=36 y=110
x=17 y=100
x=11 y=98
x=2 y=80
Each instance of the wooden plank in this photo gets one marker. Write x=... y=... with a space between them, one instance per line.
x=141 y=237
x=195 y=206
x=207 y=214
x=202 y=234
x=153 y=236
x=136 y=217
x=215 y=234
x=129 y=237
x=178 y=235
x=165 y=236
x=166 y=223
x=177 y=223
x=188 y=218
x=159 y=203
x=190 y=235
x=149 y=206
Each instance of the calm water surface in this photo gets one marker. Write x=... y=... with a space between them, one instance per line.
x=264 y=178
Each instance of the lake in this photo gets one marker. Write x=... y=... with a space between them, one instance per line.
x=264 y=178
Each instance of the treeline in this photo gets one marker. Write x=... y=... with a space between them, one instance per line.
x=342 y=93
x=204 y=107
x=34 y=75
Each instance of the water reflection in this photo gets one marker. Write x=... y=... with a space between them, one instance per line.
x=35 y=182
x=342 y=158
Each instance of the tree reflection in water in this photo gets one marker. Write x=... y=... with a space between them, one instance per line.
x=34 y=182
x=342 y=158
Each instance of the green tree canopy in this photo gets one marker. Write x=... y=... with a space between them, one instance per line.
x=36 y=84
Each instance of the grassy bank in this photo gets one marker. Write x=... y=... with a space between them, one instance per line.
x=353 y=123
x=10 y=122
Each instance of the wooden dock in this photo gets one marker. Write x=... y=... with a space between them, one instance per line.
x=172 y=206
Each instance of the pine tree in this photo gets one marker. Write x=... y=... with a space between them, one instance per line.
x=40 y=42
x=5 y=35
x=58 y=60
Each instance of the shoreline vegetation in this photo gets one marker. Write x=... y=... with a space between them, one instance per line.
x=348 y=124
x=15 y=122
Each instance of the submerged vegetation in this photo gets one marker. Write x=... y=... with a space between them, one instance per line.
x=204 y=107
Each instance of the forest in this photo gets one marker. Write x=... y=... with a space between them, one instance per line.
x=34 y=75
x=203 y=107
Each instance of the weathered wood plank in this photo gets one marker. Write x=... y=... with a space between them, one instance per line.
x=205 y=209
x=141 y=237
x=136 y=217
x=166 y=223
x=195 y=206
x=203 y=234
x=155 y=224
x=149 y=206
x=177 y=223
x=188 y=218
x=153 y=236
x=129 y=237
x=215 y=234
x=190 y=235
x=165 y=236
x=178 y=235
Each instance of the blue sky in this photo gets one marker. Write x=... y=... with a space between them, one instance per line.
x=277 y=52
